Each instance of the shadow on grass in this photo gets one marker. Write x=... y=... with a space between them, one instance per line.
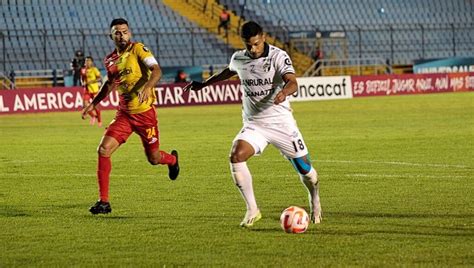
x=277 y=230
x=109 y=217
x=373 y=223
x=118 y=217
x=261 y=229
x=12 y=212
x=84 y=206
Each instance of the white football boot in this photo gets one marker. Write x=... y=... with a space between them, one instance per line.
x=249 y=220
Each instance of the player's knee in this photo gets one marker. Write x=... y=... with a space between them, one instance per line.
x=104 y=150
x=237 y=157
x=154 y=159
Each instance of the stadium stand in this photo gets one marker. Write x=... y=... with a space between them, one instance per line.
x=401 y=30
x=44 y=34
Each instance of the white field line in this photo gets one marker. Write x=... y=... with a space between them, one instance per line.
x=66 y=175
x=404 y=176
x=317 y=160
x=92 y=175
x=394 y=163
x=15 y=161
x=354 y=175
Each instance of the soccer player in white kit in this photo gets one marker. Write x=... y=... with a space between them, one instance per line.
x=267 y=79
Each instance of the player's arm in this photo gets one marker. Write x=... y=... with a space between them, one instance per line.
x=98 y=77
x=145 y=56
x=221 y=76
x=291 y=85
x=83 y=79
x=147 y=90
x=102 y=94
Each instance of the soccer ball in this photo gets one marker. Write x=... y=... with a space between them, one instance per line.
x=294 y=220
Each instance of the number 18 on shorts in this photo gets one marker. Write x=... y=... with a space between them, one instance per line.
x=285 y=137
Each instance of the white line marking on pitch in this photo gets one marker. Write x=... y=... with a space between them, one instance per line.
x=91 y=175
x=74 y=175
x=317 y=160
x=404 y=176
x=392 y=163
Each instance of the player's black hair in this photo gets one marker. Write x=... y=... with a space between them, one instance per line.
x=90 y=58
x=118 y=21
x=250 y=29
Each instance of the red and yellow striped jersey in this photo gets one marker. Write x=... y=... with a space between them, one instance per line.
x=128 y=73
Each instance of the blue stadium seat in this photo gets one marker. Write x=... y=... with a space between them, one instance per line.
x=64 y=20
x=331 y=14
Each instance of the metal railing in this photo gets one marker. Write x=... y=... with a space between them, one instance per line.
x=354 y=66
x=36 y=78
x=54 y=48
x=393 y=43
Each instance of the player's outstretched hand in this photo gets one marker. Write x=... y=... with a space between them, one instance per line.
x=86 y=110
x=194 y=85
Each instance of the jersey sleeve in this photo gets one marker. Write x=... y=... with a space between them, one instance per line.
x=144 y=55
x=83 y=74
x=232 y=64
x=108 y=75
x=283 y=64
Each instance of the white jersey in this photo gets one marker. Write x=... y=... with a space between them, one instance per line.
x=261 y=79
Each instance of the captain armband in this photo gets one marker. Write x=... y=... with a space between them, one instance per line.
x=150 y=61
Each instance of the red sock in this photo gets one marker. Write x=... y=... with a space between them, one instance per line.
x=167 y=159
x=103 y=175
x=97 y=112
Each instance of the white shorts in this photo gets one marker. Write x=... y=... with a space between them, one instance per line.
x=286 y=137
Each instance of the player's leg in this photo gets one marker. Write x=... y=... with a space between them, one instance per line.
x=146 y=126
x=106 y=148
x=86 y=100
x=158 y=157
x=240 y=153
x=247 y=143
x=97 y=112
x=117 y=133
x=290 y=142
x=99 y=116
x=309 y=178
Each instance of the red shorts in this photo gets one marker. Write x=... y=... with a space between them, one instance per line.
x=144 y=124
x=87 y=97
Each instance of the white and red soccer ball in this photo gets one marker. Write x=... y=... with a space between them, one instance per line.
x=294 y=220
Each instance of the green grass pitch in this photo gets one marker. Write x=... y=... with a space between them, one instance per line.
x=396 y=188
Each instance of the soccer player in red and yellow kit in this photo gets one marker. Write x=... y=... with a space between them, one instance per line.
x=91 y=78
x=133 y=71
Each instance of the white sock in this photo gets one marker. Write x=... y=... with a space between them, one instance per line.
x=310 y=180
x=243 y=179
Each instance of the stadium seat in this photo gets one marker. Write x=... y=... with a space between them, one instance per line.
x=162 y=29
x=328 y=15
x=64 y=21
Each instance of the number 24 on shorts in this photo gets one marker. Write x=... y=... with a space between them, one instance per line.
x=151 y=132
